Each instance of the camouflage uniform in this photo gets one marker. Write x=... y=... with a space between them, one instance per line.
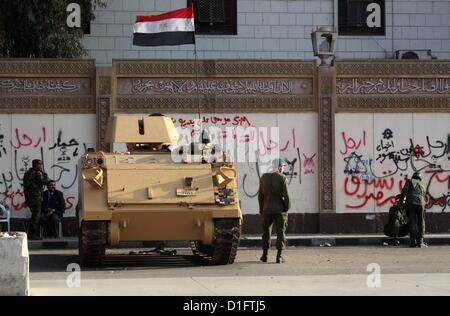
x=33 y=180
x=274 y=202
x=398 y=222
x=415 y=206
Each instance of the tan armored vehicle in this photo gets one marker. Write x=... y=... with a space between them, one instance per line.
x=143 y=195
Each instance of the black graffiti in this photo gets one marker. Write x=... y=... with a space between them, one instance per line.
x=418 y=151
x=64 y=156
x=25 y=163
x=58 y=143
x=291 y=173
x=300 y=165
x=415 y=156
x=385 y=145
x=355 y=164
x=244 y=178
x=395 y=157
x=2 y=148
x=388 y=134
x=448 y=146
x=6 y=181
x=62 y=171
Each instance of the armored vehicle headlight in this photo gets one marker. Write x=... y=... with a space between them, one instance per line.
x=89 y=162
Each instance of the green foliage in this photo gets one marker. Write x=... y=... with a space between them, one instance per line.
x=38 y=29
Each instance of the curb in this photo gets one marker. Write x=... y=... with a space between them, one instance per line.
x=255 y=242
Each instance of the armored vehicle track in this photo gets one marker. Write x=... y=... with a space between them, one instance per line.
x=92 y=242
x=226 y=242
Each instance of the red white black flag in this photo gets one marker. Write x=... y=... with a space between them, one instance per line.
x=170 y=28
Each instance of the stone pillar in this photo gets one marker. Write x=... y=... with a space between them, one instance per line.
x=326 y=79
x=14 y=265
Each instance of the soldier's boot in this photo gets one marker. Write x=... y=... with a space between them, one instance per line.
x=280 y=258
x=264 y=255
x=396 y=242
x=421 y=244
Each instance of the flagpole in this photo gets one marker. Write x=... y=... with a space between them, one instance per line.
x=196 y=68
x=196 y=79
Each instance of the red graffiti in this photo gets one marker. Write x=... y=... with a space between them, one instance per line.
x=267 y=145
x=309 y=164
x=69 y=202
x=247 y=137
x=11 y=197
x=354 y=187
x=241 y=121
x=264 y=141
x=215 y=120
x=16 y=200
x=442 y=201
x=309 y=161
x=25 y=140
x=375 y=190
x=294 y=141
x=351 y=144
x=418 y=151
x=185 y=123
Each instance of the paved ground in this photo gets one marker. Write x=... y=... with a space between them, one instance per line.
x=309 y=271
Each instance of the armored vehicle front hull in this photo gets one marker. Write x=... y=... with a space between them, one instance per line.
x=145 y=197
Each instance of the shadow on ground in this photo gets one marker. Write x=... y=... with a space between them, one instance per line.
x=59 y=262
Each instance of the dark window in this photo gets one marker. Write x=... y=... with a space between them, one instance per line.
x=85 y=18
x=353 y=14
x=215 y=17
x=86 y=25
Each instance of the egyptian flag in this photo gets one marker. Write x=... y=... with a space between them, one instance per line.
x=170 y=28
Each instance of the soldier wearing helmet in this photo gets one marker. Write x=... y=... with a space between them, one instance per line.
x=274 y=203
x=33 y=180
x=414 y=192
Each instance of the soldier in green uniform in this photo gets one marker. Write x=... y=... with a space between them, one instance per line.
x=33 y=180
x=415 y=192
x=274 y=203
x=398 y=223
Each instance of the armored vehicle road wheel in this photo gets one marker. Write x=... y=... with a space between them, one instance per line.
x=226 y=242
x=93 y=236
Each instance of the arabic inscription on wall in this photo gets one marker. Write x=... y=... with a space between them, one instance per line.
x=37 y=86
x=393 y=86
x=214 y=86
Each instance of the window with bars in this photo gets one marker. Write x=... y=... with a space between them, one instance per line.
x=215 y=17
x=353 y=17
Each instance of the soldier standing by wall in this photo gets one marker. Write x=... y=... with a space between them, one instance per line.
x=414 y=192
x=274 y=203
x=33 y=180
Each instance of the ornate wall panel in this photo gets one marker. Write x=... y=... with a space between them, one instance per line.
x=326 y=82
x=223 y=86
x=47 y=86
x=393 y=86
